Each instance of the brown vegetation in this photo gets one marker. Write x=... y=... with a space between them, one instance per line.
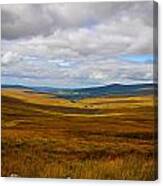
x=96 y=138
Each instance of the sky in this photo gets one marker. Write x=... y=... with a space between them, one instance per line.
x=74 y=45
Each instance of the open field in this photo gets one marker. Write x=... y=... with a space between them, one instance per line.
x=94 y=138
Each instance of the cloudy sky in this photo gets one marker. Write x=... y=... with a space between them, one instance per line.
x=77 y=44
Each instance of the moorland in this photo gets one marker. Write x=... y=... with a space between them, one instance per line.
x=102 y=137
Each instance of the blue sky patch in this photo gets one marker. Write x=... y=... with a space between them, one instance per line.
x=145 y=58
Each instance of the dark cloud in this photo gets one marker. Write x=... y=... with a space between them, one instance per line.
x=30 y=20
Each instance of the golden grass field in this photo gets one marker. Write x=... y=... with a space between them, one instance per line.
x=95 y=138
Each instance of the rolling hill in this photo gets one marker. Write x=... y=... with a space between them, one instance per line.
x=76 y=94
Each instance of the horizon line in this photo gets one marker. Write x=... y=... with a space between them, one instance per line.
x=97 y=86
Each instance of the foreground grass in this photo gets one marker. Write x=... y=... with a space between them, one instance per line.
x=131 y=167
x=100 y=138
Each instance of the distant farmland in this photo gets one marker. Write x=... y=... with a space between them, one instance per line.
x=106 y=137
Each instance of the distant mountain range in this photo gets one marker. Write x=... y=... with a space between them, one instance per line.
x=108 y=90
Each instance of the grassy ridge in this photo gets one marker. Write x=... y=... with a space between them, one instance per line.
x=102 y=138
